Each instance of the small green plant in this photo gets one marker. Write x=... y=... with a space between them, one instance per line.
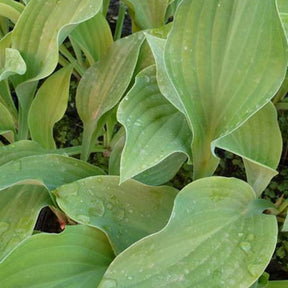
x=162 y=98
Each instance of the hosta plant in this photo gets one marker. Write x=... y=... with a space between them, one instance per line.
x=193 y=77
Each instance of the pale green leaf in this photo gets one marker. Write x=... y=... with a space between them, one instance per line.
x=94 y=47
x=6 y=123
x=148 y=117
x=6 y=99
x=126 y=212
x=76 y=258
x=37 y=22
x=14 y=64
x=167 y=89
x=37 y=36
x=285 y=225
x=52 y=170
x=220 y=68
x=20 y=149
x=212 y=239
x=49 y=106
x=19 y=208
x=148 y=14
x=278 y=284
x=11 y=9
x=104 y=83
x=258 y=141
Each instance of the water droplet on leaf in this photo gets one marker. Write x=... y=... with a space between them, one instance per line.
x=98 y=208
x=245 y=246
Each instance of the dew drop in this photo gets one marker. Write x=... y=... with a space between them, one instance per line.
x=99 y=179
x=98 y=208
x=109 y=206
x=245 y=246
x=109 y=283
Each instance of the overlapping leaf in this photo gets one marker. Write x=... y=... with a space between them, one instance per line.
x=76 y=258
x=126 y=212
x=19 y=208
x=49 y=106
x=215 y=229
x=259 y=143
x=6 y=123
x=222 y=72
x=104 y=83
x=11 y=9
x=94 y=47
x=52 y=170
x=148 y=14
x=148 y=117
x=40 y=28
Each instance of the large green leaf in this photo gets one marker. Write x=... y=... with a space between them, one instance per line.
x=126 y=212
x=37 y=22
x=148 y=117
x=258 y=141
x=19 y=208
x=104 y=83
x=49 y=106
x=52 y=170
x=148 y=14
x=216 y=237
x=220 y=68
x=76 y=258
x=94 y=47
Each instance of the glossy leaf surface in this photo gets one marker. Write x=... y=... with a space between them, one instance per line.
x=222 y=72
x=49 y=106
x=215 y=229
x=258 y=141
x=78 y=257
x=52 y=170
x=148 y=14
x=104 y=83
x=148 y=117
x=19 y=208
x=126 y=212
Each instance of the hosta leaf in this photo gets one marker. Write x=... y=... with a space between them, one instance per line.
x=220 y=69
x=213 y=232
x=20 y=149
x=11 y=9
x=6 y=99
x=148 y=14
x=148 y=117
x=283 y=9
x=19 y=208
x=14 y=64
x=277 y=284
x=258 y=141
x=166 y=87
x=94 y=47
x=52 y=170
x=126 y=213
x=37 y=22
x=104 y=83
x=76 y=258
x=6 y=123
x=285 y=225
x=49 y=106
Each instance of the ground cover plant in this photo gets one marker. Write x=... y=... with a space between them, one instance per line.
x=194 y=79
